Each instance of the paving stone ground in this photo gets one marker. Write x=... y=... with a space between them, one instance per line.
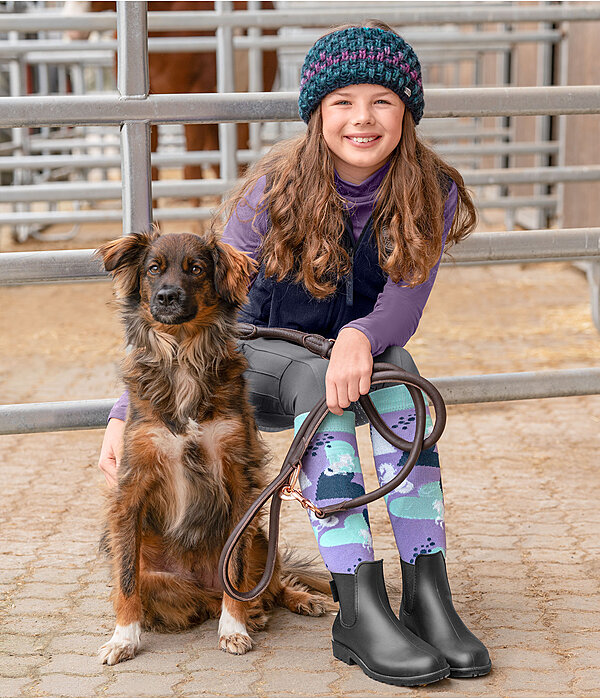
x=520 y=479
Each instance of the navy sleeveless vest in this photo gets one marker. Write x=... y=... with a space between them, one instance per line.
x=287 y=304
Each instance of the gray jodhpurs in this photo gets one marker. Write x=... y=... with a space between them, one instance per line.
x=286 y=380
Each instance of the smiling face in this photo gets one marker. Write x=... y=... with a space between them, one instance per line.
x=362 y=125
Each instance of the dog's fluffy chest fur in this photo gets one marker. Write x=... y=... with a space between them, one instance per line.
x=181 y=383
x=193 y=502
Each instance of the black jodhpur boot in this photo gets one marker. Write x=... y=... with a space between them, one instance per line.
x=427 y=610
x=366 y=632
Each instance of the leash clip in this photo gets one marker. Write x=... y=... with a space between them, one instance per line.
x=289 y=492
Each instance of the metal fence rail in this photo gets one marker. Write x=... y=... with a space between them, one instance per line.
x=283 y=106
x=36 y=162
x=411 y=15
x=134 y=110
x=273 y=19
x=86 y=415
x=104 y=216
x=234 y=107
x=40 y=50
x=199 y=188
x=549 y=245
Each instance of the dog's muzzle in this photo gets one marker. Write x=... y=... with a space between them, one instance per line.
x=170 y=304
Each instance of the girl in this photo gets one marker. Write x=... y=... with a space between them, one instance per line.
x=348 y=223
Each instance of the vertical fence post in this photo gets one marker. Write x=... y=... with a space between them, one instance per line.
x=255 y=79
x=133 y=84
x=561 y=159
x=503 y=71
x=543 y=123
x=506 y=78
x=20 y=135
x=225 y=83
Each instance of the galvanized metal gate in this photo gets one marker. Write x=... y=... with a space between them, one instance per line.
x=134 y=110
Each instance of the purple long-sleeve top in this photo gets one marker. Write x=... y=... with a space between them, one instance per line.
x=398 y=309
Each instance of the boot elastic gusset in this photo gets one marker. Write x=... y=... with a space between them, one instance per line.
x=427 y=610
x=367 y=632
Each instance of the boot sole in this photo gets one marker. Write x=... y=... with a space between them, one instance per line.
x=470 y=672
x=349 y=657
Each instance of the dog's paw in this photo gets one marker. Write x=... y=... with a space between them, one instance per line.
x=122 y=646
x=257 y=621
x=313 y=605
x=236 y=643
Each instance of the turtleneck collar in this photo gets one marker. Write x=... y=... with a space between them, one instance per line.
x=365 y=191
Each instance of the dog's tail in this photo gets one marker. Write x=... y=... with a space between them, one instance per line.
x=305 y=570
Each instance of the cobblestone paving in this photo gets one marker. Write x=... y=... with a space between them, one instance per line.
x=520 y=480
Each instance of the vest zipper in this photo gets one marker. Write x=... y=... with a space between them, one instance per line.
x=350 y=276
x=350 y=282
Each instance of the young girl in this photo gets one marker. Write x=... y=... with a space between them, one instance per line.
x=348 y=223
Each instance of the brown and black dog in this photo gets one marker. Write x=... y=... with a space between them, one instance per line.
x=193 y=460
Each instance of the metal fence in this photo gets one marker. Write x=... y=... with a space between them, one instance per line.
x=134 y=110
x=447 y=46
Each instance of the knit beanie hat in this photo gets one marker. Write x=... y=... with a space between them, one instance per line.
x=361 y=55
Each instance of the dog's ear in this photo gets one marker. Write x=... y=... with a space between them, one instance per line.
x=123 y=257
x=233 y=272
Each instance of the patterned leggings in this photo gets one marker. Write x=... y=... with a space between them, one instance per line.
x=285 y=381
x=331 y=472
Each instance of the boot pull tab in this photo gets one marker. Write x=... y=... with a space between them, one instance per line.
x=334 y=591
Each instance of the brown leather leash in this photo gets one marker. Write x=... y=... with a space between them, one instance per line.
x=285 y=484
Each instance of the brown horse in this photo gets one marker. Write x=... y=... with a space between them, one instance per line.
x=189 y=73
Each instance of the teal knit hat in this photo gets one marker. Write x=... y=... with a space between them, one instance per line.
x=361 y=55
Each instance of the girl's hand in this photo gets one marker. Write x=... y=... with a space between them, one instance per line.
x=350 y=367
x=112 y=450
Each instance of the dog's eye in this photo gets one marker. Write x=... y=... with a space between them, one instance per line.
x=154 y=269
x=195 y=269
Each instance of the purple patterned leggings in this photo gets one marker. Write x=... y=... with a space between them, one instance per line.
x=331 y=472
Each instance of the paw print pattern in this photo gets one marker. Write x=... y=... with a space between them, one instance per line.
x=351 y=569
x=424 y=548
x=324 y=439
x=403 y=422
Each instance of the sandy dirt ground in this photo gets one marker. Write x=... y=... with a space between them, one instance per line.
x=520 y=481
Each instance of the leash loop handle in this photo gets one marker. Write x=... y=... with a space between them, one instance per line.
x=311 y=341
x=283 y=485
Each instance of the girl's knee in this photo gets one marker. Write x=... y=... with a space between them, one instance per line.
x=304 y=384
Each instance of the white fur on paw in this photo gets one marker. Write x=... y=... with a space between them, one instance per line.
x=123 y=644
x=233 y=636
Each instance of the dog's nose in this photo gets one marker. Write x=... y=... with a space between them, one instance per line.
x=168 y=296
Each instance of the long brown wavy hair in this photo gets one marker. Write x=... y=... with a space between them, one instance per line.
x=307 y=213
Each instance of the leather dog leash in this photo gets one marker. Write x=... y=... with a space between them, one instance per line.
x=284 y=485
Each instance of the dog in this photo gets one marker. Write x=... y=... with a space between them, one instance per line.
x=193 y=460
